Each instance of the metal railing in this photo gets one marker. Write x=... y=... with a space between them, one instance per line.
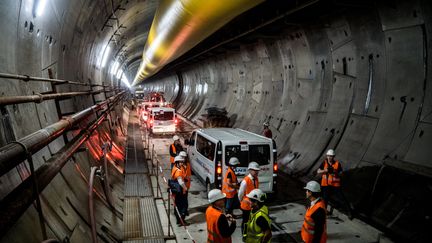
x=154 y=159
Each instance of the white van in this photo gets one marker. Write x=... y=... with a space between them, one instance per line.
x=161 y=120
x=210 y=150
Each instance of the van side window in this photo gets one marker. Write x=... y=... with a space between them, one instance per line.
x=205 y=147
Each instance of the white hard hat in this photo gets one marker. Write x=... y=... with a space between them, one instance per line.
x=234 y=161
x=330 y=152
x=254 y=166
x=182 y=154
x=175 y=138
x=215 y=195
x=266 y=124
x=313 y=186
x=257 y=194
x=178 y=158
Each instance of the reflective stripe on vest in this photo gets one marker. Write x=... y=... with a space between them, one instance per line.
x=246 y=204
x=213 y=233
x=331 y=179
x=254 y=232
x=229 y=191
x=308 y=227
x=174 y=151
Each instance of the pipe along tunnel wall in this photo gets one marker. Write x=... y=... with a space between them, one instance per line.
x=358 y=82
x=355 y=80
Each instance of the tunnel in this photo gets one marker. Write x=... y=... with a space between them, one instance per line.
x=325 y=74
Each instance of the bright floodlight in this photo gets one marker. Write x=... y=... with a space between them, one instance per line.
x=105 y=56
x=40 y=7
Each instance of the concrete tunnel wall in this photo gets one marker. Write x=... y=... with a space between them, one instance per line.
x=67 y=41
x=358 y=82
x=310 y=81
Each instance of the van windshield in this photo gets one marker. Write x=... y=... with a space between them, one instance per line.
x=248 y=153
x=164 y=116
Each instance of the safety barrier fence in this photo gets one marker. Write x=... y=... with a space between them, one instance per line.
x=19 y=199
x=156 y=168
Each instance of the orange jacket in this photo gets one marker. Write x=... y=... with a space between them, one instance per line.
x=213 y=233
x=246 y=204
x=229 y=191
x=174 y=150
x=307 y=231
x=331 y=179
x=178 y=172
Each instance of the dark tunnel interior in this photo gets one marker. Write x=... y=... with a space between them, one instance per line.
x=342 y=74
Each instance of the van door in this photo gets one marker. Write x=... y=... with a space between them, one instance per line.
x=205 y=158
x=246 y=153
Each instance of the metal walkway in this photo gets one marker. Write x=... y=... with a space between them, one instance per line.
x=141 y=219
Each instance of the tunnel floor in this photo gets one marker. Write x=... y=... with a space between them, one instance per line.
x=286 y=209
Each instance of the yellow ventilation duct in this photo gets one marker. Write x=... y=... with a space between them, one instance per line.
x=179 y=25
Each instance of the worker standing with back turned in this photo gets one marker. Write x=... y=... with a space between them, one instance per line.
x=314 y=224
x=258 y=228
x=220 y=227
x=248 y=183
x=230 y=186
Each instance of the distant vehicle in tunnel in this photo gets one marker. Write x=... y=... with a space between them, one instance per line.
x=210 y=150
x=161 y=120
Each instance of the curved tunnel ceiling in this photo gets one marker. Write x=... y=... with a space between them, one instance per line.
x=342 y=75
x=181 y=24
x=348 y=75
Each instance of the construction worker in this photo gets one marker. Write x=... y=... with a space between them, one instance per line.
x=188 y=176
x=181 y=201
x=314 y=225
x=331 y=170
x=266 y=131
x=175 y=149
x=220 y=227
x=230 y=186
x=249 y=183
x=258 y=228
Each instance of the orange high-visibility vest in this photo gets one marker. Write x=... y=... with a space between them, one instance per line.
x=229 y=191
x=213 y=232
x=307 y=231
x=188 y=175
x=176 y=172
x=174 y=150
x=246 y=204
x=331 y=179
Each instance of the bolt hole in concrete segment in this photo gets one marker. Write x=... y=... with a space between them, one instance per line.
x=287 y=215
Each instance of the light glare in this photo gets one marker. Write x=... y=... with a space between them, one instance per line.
x=40 y=7
x=105 y=56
